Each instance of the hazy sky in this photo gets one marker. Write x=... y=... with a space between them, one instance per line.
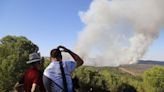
x=49 y=23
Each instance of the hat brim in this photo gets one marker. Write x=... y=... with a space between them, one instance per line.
x=32 y=61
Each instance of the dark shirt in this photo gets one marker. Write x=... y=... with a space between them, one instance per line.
x=33 y=75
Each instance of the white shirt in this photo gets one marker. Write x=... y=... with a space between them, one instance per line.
x=54 y=73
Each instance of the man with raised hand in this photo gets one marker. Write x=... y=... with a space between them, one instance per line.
x=53 y=78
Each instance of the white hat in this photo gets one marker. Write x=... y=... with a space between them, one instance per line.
x=34 y=57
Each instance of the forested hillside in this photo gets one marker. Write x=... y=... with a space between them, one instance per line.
x=14 y=51
x=108 y=79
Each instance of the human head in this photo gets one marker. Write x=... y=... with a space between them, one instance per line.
x=35 y=60
x=56 y=54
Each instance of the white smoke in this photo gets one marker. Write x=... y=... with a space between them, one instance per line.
x=119 y=31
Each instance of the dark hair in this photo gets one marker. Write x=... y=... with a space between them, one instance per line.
x=55 y=53
x=34 y=64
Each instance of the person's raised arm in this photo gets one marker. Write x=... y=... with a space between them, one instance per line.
x=76 y=57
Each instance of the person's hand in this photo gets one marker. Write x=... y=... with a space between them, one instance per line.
x=63 y=49
x=76 y=57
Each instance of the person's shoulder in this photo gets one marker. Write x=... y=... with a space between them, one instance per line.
x=52 y=64
x=34 y=70
x=69 y=62
x=71 y=65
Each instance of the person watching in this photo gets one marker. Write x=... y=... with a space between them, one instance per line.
x=52 y=77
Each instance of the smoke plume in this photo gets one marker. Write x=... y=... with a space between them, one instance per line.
x=119 y=31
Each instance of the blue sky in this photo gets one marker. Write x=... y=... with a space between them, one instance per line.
x=49 y=23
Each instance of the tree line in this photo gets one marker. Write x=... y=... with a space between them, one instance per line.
x=113 y=80
x=15 y=50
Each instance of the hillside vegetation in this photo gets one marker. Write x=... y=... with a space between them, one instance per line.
x=14 y=51
x=109 y=79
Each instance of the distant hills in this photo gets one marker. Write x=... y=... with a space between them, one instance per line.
x=140 y=67
x=151 y=62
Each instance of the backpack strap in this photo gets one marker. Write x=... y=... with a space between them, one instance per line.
x=63 y=77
